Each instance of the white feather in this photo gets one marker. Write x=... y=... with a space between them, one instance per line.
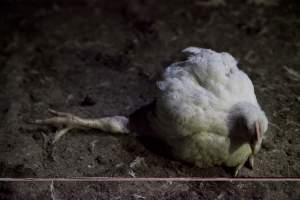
x=195 y=102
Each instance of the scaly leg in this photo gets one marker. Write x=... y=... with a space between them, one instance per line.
x=115 y=124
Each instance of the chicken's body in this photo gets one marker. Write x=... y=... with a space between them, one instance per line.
x=196 y=100
x=206 y=111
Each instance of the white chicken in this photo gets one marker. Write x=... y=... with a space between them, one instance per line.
x=206 y=111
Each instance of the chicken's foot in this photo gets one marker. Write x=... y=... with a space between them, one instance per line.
x=115 y=124
x=238 y=168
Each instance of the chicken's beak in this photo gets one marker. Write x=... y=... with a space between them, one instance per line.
x=256 y=137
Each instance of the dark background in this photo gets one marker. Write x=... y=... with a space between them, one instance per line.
x=102 y=58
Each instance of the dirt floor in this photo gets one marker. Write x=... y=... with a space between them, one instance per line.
x=102 y=58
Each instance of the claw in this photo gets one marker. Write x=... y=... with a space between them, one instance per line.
x=56 y=113
x=55 y=121
x=238 y=168
x=60 y=133
x=251 y=161
x=236 y=172
x=37 y=121
x=33 y=121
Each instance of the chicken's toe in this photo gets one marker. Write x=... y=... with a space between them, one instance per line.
x=238 y=168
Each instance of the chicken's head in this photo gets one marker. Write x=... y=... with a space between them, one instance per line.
x=248 y=123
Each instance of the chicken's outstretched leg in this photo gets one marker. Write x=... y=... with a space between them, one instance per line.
x=115 y=124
